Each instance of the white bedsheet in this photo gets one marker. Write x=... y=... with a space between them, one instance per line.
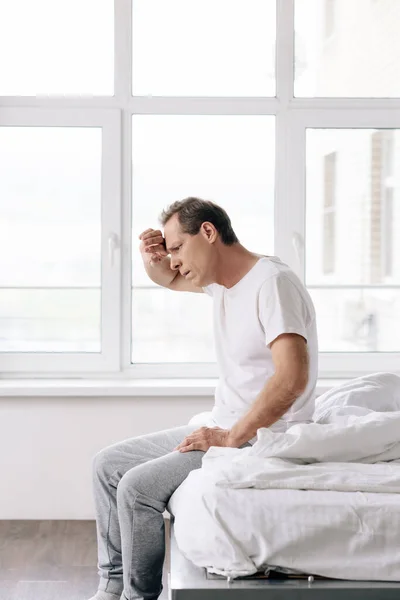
x=236 y=532
x=350 y=531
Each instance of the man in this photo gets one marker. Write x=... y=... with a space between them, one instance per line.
x=267 y=352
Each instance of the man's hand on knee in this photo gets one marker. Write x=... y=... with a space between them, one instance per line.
x=203 y=439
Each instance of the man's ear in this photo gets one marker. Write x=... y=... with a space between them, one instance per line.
x=209 y=231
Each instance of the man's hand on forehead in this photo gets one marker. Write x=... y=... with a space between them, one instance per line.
x=153 y=242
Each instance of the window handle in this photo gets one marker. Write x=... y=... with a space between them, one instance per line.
x=113 y=245
x=298 y=246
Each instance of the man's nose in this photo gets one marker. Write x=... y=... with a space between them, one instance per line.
x=175 y=263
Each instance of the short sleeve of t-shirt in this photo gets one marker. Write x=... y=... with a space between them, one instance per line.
x=282 y=308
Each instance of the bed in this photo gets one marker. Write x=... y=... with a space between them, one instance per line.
x=319 y=501
x=187 y=581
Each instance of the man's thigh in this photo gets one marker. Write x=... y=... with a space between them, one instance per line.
x=159 y=477
x=153 y=445
x=116 y=460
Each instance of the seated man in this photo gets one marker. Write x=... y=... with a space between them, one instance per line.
x=266 y=345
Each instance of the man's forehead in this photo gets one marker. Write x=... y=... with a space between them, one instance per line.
x=169 y=244
x=172 y=234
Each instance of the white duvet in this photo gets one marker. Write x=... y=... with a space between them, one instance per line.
x=355 y=433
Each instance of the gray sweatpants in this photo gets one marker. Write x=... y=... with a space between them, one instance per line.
x=133 y=481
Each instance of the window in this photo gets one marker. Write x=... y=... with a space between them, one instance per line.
x=361 y=59
x=355 y=313
x=51 y=235
x=59 y=175
x=256 y=105
x=58 y=48
x=203 y=48
x=172 y=156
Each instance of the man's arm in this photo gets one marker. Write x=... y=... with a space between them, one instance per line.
x=162 y=274
x=290 y=357
x=157 y=263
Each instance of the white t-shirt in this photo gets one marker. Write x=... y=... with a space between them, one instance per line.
x=268 y=301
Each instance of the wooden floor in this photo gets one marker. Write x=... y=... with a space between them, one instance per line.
x=51 y=560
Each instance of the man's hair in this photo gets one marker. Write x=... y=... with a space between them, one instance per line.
x=192 y=212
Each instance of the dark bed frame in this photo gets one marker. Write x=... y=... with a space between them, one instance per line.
x=186 y=581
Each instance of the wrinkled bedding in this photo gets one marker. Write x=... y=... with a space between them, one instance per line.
x=320 y=498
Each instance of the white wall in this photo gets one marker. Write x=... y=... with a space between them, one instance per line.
x=47 y=446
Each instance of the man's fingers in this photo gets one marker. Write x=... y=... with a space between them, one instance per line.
x=144 y=232
x=151 y=234
x=183 y=443
x=199 y=440
x=154 y=249
x=188 y=448
x=154 y=239
x=186 y=441
x=192 y=441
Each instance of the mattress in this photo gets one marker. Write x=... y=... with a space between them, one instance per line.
x=238 y=532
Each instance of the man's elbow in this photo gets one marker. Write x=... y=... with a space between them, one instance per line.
x=296 y=385
x=300 y=385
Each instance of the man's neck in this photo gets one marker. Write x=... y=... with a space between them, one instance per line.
x=234 y=264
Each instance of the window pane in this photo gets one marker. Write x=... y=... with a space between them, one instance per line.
x=50 y=235
x=367 y=165
x=352 y=214
x=49 y=47
x=171 y=327
x=357 y=320
x=347 y=48
x=227 y=159
x=49 y=320
x=204 y=48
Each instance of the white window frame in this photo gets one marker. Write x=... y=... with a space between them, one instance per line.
x=334 y=364
x=108 y=357
x=293 y=116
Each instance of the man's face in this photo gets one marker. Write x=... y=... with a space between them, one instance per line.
x=190 y=253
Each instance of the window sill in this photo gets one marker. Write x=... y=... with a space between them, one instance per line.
x=121 y=388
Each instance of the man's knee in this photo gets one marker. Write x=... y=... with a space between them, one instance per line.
x=146 y=481
x=139 y=485
x=136 y=480
x=102 y=461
